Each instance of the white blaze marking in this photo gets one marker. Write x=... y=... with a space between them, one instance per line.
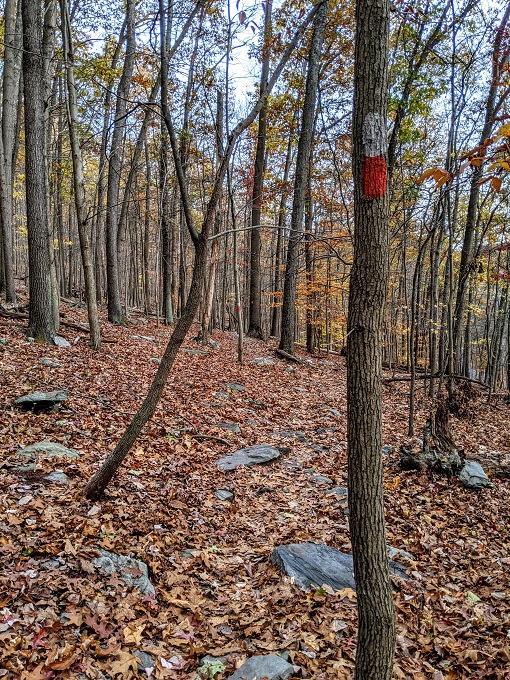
x=374 y=135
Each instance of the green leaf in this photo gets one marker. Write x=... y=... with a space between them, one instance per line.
x=472 y=597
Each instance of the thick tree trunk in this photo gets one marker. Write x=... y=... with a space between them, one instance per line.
x=368 y=285
x=300 y=182
x=40 y=324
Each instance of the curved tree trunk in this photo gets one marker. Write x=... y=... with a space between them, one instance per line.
x=368 y=286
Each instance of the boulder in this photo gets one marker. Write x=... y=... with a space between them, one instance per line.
x=473 y=475
x=49 y=449
x=270 y=667
x=133 y=572
x=252 y=455
x=316 y=564
x=41 y=400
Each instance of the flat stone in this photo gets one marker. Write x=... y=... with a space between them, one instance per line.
x=60 y=341
x=41 y=399
x=335 y=412
x=270 y=667
x=223 y=494
x=213 y=344
x=196 y=352
x=252 y=455
x=473 y=475
x=57 y=477
x=263 y=361
x=320 y=479
x=236 y=387
x=397 y=553
x=47 y=448
x=387 y=450
x=338 y=491
x=4 y=341
x=49 y=363
x=144 y=661
x=144 y=337
x=316 y=564
x=222 y=395
x=232 y=427
x=133 y=572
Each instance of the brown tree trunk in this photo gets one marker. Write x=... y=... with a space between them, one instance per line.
x=368 y=285
x=40 y=324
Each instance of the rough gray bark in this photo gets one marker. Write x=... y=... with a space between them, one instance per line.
x=300 y=182
x=40 y=323
x=368 y=285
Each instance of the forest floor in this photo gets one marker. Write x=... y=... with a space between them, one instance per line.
x=216 y=591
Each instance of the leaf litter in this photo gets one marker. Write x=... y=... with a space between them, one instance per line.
x=217 y=593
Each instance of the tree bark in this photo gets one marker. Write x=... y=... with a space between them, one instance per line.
x=368 y=286
x=300 y=182
x=115 y=314
x=40 y=324
x=255 y=316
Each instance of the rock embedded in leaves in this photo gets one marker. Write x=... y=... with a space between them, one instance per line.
x=59 y=341
x=338 y=491
x=144 y=661
x=387 y=450
x=252 y=455
x=236 y=387
x=49 y=363
x=263 y=361
x=49 y=449
x=316 y=564
x=41 y=400
x=213 y=344
x=133 y=572
x=223 y=494
x=231 y=427
x=473 y=475
x=57 y=477
x=272 y=667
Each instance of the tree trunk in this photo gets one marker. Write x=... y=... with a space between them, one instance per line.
x=79 y=181
x=40 y=324
x=255 y=318
x=115 y=314
x=300 y=182
x=368 y=285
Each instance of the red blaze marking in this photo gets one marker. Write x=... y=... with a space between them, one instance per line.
x=375 y=176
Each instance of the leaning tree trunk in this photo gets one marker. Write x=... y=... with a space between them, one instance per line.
x=40 y=322
x=96 y=486
x=300 y=182
x=368 y=285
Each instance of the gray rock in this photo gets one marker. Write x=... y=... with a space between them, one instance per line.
x=252 y=455
x=47 y=448
x=155 y=360
x=236 y=387
x=60 y=341
x=196 y=352
x=338 y=491
x=335 y=412
x=290 y=369
x=133 y=572
x=144 y=337
x=473 y=475
x=320 y=479
x=4 y=341
x=50 y=363
x=387 y=450
x=57 y=477
x=272 y=667
x=397 y=553
x=41 y=399
x=144 y=661
x=232 y=427
x=316 y=564
x=214 y=344
x=223 y=494
x=263 y=361
x=222 y=395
